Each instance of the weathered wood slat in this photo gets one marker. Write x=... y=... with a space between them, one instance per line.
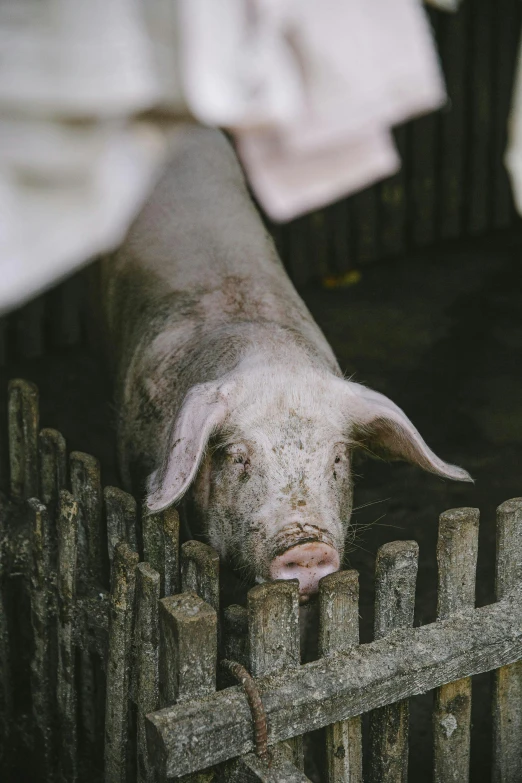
x=507 y=686
x=67 y=529
x=188 y=648
x=23 y=426
x=161 y=547
x=41 y=580
x=120 y=517
x=235 y=634
x=86 y=489
x=123 y=582
x=273 y=635
x=250 y=769
x=197 y=735
x=92 y=564
x=52 y=458
x=6 y=682
x=188 y=654
x=147 y=659
x=457 y=551
x=200 y=572
x=338 y=632
x=395 y=580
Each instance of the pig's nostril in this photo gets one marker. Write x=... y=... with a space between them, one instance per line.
x=306 y=562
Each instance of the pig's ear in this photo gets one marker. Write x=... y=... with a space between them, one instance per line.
x=203 y=411
x=385 y=429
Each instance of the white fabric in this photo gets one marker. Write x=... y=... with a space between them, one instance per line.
x=91 y=91
x=513 y=157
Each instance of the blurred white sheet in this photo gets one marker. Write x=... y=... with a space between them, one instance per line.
x=91 y=94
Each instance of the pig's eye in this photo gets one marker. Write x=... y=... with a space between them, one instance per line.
x=337 y=460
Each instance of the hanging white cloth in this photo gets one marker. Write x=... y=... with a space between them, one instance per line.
x=91 y=95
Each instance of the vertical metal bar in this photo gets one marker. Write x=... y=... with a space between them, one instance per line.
x=453 y=41
x=123 y=581
x=120 y=517
x=161 y=547
x=507 y=687
x=30 y=328
x=457 y=550
x=366 y=212
x=68 y=518
x=338 y=631
x=23 y=425
x=200 y=572
x=480 y=118
x=41 y=580
x=395 y=576
x=338 y=220
x=52 y=456
x=506 y=25
x=273 y=635
x=147 y=659
x=392 y=193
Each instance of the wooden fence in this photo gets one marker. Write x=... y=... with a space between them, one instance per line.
x=123 y=642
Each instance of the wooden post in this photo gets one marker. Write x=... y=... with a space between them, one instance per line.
x=507 y=688
x=120 y=516
x=273 y=635
x=23 y=425
x=52 y=457
x=457 y=550
x=200 y=572
x=65 y=687
x=6 y=695
x=147 y=659
x=235 y=634
x=86 y=489
x=123 y=580
x=161 y=547
x=41 y=580
x=188 y=654
x=338 y=632
x=395 y=577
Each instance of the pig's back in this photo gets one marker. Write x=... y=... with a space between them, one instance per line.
x=199 y=255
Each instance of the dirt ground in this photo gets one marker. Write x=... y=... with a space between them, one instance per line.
x=440 y=332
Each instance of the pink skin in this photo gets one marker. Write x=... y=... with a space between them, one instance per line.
x=308 y=563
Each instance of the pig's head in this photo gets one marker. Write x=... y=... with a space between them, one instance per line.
x=267 y=457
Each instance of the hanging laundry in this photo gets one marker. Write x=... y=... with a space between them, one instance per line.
x=92 y=95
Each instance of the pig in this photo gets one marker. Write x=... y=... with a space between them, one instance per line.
x=226 y=389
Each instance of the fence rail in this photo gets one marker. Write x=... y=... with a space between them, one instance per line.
x=127 y=634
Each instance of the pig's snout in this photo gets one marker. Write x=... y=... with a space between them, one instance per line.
x=307 y=562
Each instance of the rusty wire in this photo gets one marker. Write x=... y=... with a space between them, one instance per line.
x=248 y=684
